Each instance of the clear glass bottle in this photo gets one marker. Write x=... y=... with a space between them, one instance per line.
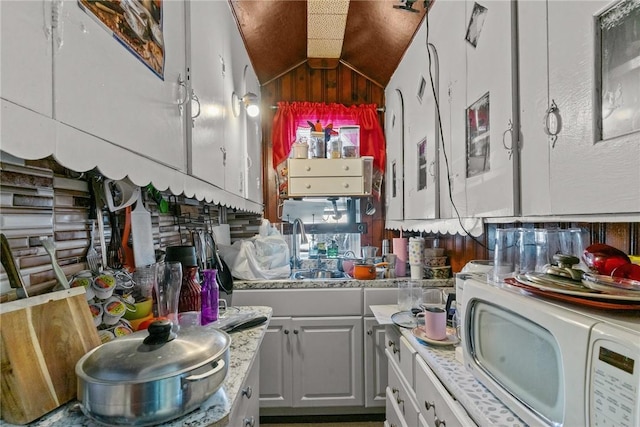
x=210 y=295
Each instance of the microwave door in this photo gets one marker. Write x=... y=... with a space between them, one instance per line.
x=527 y=352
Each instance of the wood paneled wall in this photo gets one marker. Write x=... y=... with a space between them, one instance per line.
x=340 y=85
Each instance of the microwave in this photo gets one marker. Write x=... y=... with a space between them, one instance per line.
x=552 y=363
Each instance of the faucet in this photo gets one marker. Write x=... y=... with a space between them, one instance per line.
x=297 y=224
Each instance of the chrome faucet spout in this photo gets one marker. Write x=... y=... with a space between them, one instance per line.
x=295 y=256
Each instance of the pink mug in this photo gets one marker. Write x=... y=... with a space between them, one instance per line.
x=435 y=323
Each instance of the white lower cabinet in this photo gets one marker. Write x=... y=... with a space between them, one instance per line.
x=375 y=363
x=400 y=397
x=312 y=353
x=246 y=413
x=436 y=405
x=415 y=396
x=312 y=361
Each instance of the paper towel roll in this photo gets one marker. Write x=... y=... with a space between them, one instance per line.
x=400 y=250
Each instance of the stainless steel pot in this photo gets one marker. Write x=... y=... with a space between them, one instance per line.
x=148 y=378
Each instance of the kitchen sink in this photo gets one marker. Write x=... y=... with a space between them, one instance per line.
x=319 y=274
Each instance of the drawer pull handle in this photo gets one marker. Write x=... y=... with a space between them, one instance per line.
x=439 y=423
x=369 y=332
x=345 y=167
x=400 y=402
x=307 y=186
x=308 y=168
x=249 y=422
x=286 y=332
x=429 y=405
x=394 y=391
x=345 y=185
x=295 y=331
x=391 y=343
x=247 y=391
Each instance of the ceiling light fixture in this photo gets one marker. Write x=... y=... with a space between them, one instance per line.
x=250 y=102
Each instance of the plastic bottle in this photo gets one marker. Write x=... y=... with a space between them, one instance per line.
x=210 y=295
x=332 y=250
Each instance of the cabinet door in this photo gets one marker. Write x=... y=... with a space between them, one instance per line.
x=491 y=168
x=327 y=362
x=207 y=21
x=234 y=133
x=26 y=45
x=421 y=135
x=394 y=174
x=589 y=174
x=102 y=88
x=275 y=364
x=253 y=131
x=375 y=363
x=446 y=27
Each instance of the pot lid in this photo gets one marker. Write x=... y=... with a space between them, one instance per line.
x=153 y=354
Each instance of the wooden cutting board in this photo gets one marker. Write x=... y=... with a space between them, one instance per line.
x=43 y=337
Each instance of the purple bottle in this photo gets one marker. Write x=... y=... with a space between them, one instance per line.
x=210 y=296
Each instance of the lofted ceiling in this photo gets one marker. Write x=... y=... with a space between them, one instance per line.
x=278 y=38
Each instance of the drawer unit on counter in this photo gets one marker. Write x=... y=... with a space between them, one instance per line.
x=328 y=177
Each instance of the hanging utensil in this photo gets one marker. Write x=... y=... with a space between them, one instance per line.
x=50 y=246
x=127 y=250
x=93 y=258
x=370 y=209
x=9 y=264
x=114 y=251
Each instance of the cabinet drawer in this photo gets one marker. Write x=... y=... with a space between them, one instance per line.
x=402 y=397
x=407 y=361
x=246 y=410
x=304 y=302
x=393 y=415
x=434 y=400
x=379 y=296
x=325 y=167
x=326 y=186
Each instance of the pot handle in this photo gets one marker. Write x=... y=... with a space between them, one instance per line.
x=219 y=366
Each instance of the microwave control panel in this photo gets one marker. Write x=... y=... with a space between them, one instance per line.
x=614 y=378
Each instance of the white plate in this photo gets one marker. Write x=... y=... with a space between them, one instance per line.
x=420 y=335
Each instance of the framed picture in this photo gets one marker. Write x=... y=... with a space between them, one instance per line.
x=476 y=22
x=421 y=88
x=478 y=141
x=422 y=164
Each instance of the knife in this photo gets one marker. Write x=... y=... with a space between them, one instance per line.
x=255 y=321
x=9 y=264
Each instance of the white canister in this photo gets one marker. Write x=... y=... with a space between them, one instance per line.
x=300 y=150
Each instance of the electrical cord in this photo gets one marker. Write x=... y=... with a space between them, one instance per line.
x=444 y=151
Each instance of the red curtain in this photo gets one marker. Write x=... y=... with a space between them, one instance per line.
x=292 y=115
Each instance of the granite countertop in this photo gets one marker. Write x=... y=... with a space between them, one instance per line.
x=213 y=412
x=481 y=405
x=336 y=283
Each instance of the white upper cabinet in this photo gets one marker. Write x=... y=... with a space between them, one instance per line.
x=207 y=23
x=446 y=30
x=253 y=182
x=394 y=172
x=490 y=165
x=103 y=88
x=580 y=83
x=26 y=60
x=420 y=136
